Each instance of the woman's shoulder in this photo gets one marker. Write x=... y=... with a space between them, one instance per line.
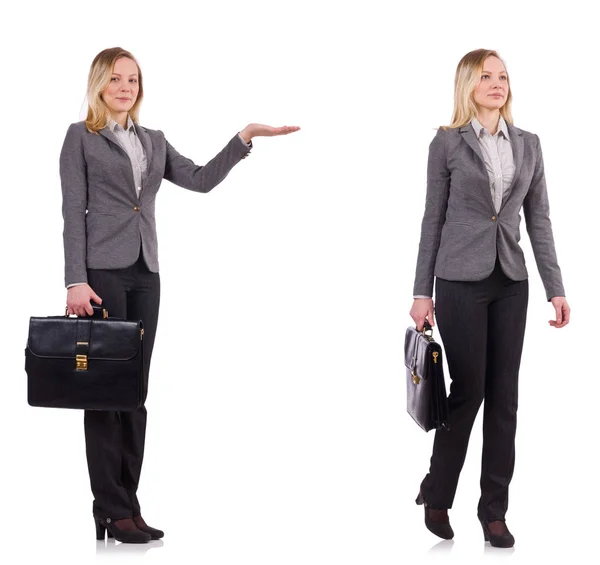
x=530 y=139
x=77 y=127
x=150 y=131
x=444 y=137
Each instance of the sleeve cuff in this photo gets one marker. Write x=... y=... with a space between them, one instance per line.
x=249 y=144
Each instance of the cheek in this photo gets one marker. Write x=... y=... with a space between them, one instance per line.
x=109 y=90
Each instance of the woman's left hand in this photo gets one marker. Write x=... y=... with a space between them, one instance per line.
x=261 y=130
x=563 y=312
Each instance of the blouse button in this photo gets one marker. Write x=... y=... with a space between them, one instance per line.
x=136 y=208
x=493 y=218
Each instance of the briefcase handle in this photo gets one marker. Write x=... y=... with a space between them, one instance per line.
x=427 y=328
x=99 y=312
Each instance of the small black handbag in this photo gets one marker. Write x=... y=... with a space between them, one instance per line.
x=425 y=387
x=92 y=362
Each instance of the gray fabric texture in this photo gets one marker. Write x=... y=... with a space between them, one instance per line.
x=104 y=220
x=461 y=232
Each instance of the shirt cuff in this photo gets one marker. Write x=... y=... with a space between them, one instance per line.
x=249 y=144
x=421 y=296
x=75 y=284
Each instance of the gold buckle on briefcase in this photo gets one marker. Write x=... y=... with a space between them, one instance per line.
x=81 y=362
x=415 y=378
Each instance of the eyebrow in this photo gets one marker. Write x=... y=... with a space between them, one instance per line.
x=500 y=73
x=133 y=75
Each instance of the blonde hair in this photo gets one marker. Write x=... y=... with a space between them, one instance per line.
x=98 y=79
x=468 y=75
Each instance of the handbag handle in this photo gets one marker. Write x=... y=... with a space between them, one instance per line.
x=99 y=312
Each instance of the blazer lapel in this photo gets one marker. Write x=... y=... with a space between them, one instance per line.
x=146 y=144
x=518 y=145
x=469 y=136
x=105 y=132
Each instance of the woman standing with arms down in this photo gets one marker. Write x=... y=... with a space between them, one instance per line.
x=111 y=169
x=482 y=170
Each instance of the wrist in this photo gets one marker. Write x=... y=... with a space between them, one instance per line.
x=246 y=135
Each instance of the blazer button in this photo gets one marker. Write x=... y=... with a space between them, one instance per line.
x=493 y=218
x=136 y=208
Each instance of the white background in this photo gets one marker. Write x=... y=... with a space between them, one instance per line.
x=277 y=429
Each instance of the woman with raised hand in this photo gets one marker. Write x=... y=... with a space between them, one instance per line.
x=111 y=168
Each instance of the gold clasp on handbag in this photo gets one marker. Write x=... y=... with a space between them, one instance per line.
x=415 y=378
x=435 y=356
x=81 y=362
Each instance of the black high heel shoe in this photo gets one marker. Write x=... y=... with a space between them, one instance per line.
x=126 y=536
x=141 y=525
x=441 y=529
x=505 y=539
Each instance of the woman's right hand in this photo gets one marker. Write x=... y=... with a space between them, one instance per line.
x=422 y=308
x=78 y=300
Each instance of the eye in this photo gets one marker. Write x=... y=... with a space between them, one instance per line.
x=504 y=77
x=485 y=76
x=134 y=79
x=114 y=78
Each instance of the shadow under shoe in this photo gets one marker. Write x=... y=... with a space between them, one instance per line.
x=141 y=524
x=436 y=520
x=123 y=530
x=497 y=534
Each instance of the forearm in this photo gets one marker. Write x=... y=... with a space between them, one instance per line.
x=185 y=173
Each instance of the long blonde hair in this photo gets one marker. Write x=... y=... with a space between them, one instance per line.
x=468 y=75
x=98 y=79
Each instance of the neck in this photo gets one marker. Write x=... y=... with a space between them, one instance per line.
x=120 y=118
x=489 y=119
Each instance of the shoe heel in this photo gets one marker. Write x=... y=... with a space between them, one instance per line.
x=486 y=536
x=100 y=530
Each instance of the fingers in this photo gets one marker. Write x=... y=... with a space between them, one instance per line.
x=78 y=302
x=563 y=316
x=289 y=129
x=558 y=310
x=422 y=309
x=283 y=130
x=430 y=317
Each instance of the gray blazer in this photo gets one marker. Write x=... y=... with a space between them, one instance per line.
x=104 y=221
x=461 y=232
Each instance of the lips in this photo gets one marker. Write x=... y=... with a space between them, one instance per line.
x=124 y=99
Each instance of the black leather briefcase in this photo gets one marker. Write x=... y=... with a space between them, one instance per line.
x=426 y=398
x=92 y=363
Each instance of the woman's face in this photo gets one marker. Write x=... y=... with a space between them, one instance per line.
x=122 y=90
x=492 y=90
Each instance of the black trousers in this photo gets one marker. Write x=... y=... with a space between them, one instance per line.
x=115 y=440
x=482 y=325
